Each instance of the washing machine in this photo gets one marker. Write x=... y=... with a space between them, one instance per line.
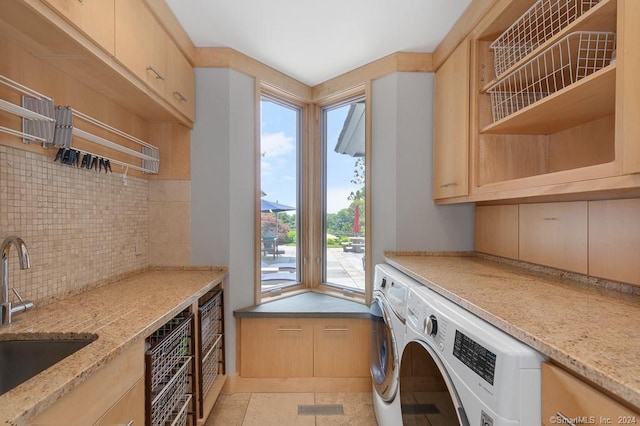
x=388 y=318
x=459 y=369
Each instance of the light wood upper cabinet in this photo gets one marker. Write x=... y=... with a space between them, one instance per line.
x=451 y=125
x=180 y=86
x=140 y=43
x=554 y=234
x=565 y=395
x=95 y=18
x=581 y=137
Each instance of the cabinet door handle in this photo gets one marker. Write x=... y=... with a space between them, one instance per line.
x=153 y=70
x=565 y=420
x=335 y=329
x=289 y=329
x=550 y=218
x=179 y=96
x=445 y=185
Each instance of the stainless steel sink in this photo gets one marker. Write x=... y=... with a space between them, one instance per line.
x=21 y=359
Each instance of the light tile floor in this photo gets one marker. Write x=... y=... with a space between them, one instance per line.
x=281 y=409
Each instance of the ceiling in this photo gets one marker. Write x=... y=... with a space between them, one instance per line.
x=314 y=41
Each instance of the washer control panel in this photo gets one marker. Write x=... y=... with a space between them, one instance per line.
x=475 y=356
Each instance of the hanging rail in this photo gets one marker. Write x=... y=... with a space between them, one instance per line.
x=36 y=113
x=65 y=130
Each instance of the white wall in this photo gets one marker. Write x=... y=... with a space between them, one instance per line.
x=222 y=186
x=404 y=215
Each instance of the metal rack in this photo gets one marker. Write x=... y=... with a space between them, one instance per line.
x=169 y=390
x=211 y=343
x=53 y=126
x=37 y=113
x=538 y=24
x=572 y=58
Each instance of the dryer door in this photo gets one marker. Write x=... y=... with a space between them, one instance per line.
x=383 y=354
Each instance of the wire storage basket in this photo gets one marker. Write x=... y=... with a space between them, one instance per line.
x=572 y=58
x=168 y=369
x=538 y=24
x=211 y=341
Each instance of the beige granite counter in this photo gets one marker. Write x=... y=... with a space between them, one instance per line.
x=120 y=314
x=592 y=331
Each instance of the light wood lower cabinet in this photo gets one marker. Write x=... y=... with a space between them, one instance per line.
x=129 y=408
x=304 y=347
x=341 y=347
x=496 y=230
x=113 y=387
x=566 y=399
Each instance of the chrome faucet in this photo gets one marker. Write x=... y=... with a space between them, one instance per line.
x=7 y=307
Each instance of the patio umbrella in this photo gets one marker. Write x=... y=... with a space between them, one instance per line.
x=275 y=208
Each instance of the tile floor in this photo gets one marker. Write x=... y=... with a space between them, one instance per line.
x=281 y=409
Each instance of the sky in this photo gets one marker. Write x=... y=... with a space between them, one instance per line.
x=278 y=162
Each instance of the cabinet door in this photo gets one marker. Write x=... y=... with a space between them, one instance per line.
x=128 y=410
x=276 y=347
x=614 y=240
x=496 y=230
x=180 y=81
x=141 y=43
x=451 y=126
x=341 y=347
x=554 y=234
x=94 y=18
x=566 y=395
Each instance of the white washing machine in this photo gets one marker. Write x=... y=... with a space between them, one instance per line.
x=388 y=317
x=448 y=367
x=491 y=378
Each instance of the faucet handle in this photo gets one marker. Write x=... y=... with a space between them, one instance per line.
x=17 y=294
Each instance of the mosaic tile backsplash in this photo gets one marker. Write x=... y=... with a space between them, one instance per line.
x=82 y=228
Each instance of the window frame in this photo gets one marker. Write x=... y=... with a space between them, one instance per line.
x=311 y=212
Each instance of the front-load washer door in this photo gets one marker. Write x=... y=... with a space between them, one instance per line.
x=383 y=354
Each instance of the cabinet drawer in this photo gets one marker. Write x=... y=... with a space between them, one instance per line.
x=130 y=408
x=276 y=347
x=554 y=234
x=140 y=43
x=94 y=18
x=341 y=347
x=564 y=395
x=496 y=230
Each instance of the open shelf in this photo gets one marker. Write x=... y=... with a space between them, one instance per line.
x=601 y=17
x=586 y=100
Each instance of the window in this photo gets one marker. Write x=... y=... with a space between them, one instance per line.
x=312 y=197
x=279 y=198
x=344 y=195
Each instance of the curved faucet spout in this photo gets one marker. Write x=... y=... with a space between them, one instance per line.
x=23 y=251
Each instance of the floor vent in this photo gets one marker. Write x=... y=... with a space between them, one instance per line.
x=419 y=409
x=320 y=410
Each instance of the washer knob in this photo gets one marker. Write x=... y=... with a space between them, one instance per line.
x=383 y=284
x=432 y=325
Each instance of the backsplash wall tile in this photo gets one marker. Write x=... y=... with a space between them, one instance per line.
x=82 y=227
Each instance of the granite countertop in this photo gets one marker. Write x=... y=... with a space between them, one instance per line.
x=306 y=305
x=119 y=313
x=592 y=331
